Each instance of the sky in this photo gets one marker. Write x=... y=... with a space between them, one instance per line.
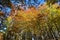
x=27 y=2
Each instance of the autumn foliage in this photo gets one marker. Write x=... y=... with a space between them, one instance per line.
x=40 y=21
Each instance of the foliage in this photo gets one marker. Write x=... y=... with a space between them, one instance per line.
x=51 y=1
x=42 y=21
x=6 y=3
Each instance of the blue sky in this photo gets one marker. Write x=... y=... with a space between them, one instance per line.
x=29 y=3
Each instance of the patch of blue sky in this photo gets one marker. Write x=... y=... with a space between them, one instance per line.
x=12 y=1
x=1 y=7
x=58 y=3
x=6 y=10
x=39 y=2
x=4 y=28
x=35 y=4
x=31 y=2
x=1 y=30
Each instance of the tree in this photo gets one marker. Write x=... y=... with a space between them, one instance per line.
x=51 y=1
x=6 y=3
x=2 y=20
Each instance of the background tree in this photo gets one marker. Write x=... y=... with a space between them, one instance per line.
x=6 y=3
x=51 y=1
